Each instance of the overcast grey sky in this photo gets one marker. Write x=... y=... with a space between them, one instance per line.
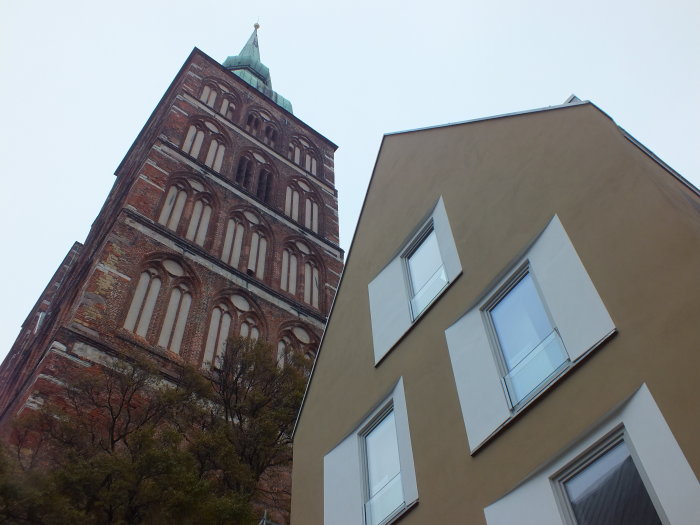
x=80 y=78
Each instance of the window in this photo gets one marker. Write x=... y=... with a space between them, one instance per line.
x=175 y=318
x=199 y=221
x=219 y=332
x=530 y=329
x=301 y=202
x=426 y=272
x=200 y=210
x=144 y=300
x=423 y=269
x=369 y=477
x=215 y=155
x=165 y=278
x=208 y=95
x=384 y=494
x=530 y=346
x=606 y=488
x=630 y=455
x=288 y=280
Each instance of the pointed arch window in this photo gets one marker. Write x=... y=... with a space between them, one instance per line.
x=199 y=221
x=219 y=331
x=264 y=184
x=249 y=328
x=228 y=108
x=215 y=155
x=200 y=210
x=193 y=140
x=252 y=123
x=291 y=203
x=270 y=135
x=173 y=206
x=138 y=318
x=311 y=284
x=175 y=318
x=208 y=95
x=311 y=214
x=205 y=139
x=283 y=348
x=256 y=257
x=244 y=173
x=161 y=287
x=295 y=340
x=233 y=242
x=288 y=281
x=300 y=202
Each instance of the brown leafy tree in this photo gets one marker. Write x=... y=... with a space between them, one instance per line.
x=121 y=445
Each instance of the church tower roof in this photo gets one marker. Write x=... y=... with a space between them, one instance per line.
x=247 y=65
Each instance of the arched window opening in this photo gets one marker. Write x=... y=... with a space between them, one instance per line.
x=291 y=203
x=244 y=172
x=172 y=207
x=228 y=108
x=208 y=95
x=175 y=318
x=143 y=302
x=284 y=347
x=311 y=215
x=311 y=284
x=193 y=141
x=288 y=280
x=249 y=328
x=252 y=124
x=199 y=222
x=233 y=242
x=215 y=155
x=264 y=184
x=258 y=251
x=219 y=332
x=270 y=136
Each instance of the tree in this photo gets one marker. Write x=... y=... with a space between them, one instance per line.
x=120 y=444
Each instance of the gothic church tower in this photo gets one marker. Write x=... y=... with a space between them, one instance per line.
x=222 y=221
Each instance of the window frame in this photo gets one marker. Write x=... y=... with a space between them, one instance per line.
x=345 y=478
x=585 y=459
x=509 y=283
x=384 y=412
x=412 y=247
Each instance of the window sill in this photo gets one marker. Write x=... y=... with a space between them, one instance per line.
x=399 y=514
x=415 y=321
x=530 y=400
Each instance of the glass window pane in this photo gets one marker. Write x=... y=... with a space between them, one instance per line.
x=520 y=321
x=424 y=262
x=610 y=491
x=385 y=492
x=427 y=273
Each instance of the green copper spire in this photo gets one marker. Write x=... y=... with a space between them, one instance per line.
x=247 y=65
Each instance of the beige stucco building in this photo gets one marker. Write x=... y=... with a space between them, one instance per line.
x=515 y=339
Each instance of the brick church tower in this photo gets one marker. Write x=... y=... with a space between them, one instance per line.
x=222 y=221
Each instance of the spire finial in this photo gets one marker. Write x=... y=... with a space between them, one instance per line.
x=256 y=26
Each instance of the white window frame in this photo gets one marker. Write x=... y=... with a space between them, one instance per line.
x=344 y=467
x=665 y=472
x=413 y=246
x=501 y=293
x=574 y=307
x=386 y=411
x=390 y=290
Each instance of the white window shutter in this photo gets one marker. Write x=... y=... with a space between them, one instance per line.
x=342 y=484
x=481 y=396
x=446 y=243
x=573 y=302
x=389 y=308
